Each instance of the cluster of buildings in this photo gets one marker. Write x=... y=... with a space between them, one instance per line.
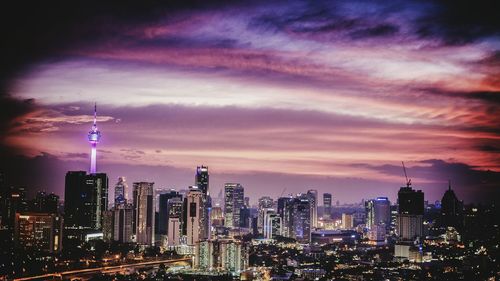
x=212 y=229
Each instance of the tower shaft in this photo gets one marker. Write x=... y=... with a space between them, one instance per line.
x=93 y=156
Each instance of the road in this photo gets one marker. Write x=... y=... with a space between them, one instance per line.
x=89 y=272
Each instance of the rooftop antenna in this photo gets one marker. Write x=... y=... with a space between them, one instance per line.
x=408 y=181
x=449 y=184
x=95 y=114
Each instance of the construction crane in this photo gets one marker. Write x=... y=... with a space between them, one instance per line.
x=408 y=181
x=284 y=189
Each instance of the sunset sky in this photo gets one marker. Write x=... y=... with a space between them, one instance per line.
x=295 y=94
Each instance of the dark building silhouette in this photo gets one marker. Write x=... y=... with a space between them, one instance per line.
x=85 y=200
x=452 y=210
x=13 y=201
x=45 y=203
x=409 y=220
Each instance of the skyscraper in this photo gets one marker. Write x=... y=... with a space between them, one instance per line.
x=302 y=219
x=313 y=199
x=194 y=209
x=85 y=200
x=452 y=210
x=164 y=210
x=378 y=212
x=121 y=191
x=94 y=137
x=272 y=224
x=174 y=221
x=144 y=211
x=233 y=203
x=327 y=205
x=265 y=203
x=203 y=184
x=410 y=213
x=123 y=222
x=202 y=179
x=285 y=210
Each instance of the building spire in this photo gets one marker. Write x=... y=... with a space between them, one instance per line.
x=94 y=136
x=95 y=114
x=449 y=184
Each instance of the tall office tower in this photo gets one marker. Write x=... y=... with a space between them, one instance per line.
x=38 y=232
x=302 y=219
x=122 y=224
x=327 y=205
x=452 y=210
x=45 y=203
x=272 y=224
x=203 y=184
x=410 y=213
x=265 y=203
x=247 y=202
x=144 y=211
x=347 y=221
x=285 y=210
x=174 y=221
x=313 y=198
x=85 y=200
x=233 y=203
x=194 y=210
x=164 y=210
x=121 y=191
x=202 y=179
x=378 y=212
x=94 y=137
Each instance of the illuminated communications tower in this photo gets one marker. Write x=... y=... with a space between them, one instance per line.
x=94 y=136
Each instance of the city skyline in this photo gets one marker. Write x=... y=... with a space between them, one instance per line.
x=324 y=96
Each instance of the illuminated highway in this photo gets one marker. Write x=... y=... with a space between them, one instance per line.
x=88 y=272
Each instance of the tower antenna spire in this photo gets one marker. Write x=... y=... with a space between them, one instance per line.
x=94 y=136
